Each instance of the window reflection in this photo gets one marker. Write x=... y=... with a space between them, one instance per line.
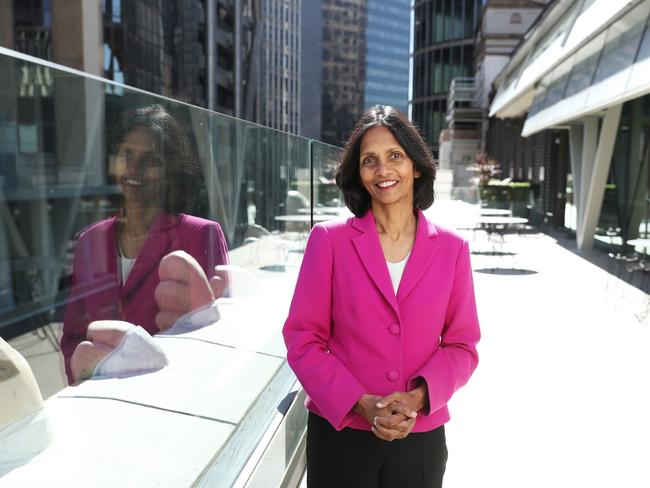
x=115 y=267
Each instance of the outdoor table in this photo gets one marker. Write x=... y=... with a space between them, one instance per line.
x=643 y=242
x=497 y=220
x=494 y=212
x=497 y=225
x=323 y=210
x=303 y=218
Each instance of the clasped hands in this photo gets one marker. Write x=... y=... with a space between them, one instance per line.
x=393 y=416
x=183 y=287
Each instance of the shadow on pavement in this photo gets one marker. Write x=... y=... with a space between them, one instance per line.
x=506 y=271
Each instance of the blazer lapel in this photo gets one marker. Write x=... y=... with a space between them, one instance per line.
x=424 y=250
x=155 y=247
x=369 y=250
x=110 y=253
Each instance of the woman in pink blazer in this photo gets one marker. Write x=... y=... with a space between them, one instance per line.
x=383 y=328
x=115 y=267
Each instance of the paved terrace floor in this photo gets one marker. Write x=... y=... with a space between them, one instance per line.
x=561 y=397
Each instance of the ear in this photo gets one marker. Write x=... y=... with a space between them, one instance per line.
x=416 y=174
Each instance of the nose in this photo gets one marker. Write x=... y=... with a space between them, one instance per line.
x=383 y=167
x=134 y=162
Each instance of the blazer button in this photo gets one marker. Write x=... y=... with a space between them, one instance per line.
x=394 y=329
x=393 y=375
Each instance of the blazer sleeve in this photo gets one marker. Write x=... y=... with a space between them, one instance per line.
x=210 y=248
x=75 y=321
x=329 y=384
x=452 y=364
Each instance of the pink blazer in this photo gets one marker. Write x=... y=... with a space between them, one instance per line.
x=348 y=334
x=97 y=292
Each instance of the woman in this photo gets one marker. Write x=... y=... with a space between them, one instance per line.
x=115 y=268
x=382 y=329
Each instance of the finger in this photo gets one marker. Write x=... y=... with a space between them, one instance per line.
x=377 y=434
x=381 y=435
x=384 y=433
x=403 y=409
x=165 y=319
x=387 y=400
x=85 y=357
x=390 y=421
x=179 y=266
x=218 y=285
x=108 y=332
x=397 y=423
x=408 y=427
x=176 y=265
x=173 y=295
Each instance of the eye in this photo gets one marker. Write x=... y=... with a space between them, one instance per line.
x=396 y=155
x=368 y=161
x=125 y=153
x=151 y=160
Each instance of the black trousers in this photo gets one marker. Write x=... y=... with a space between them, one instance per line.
x=358 y=459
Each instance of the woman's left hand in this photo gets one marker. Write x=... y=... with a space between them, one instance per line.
x=399 y=425
x=414 y=400
x=396 y=426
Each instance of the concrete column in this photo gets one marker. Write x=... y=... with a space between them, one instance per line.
x=575 y=147
x=588 y=153
x=595 y=173
x=637 y=171
x=239 y=62
x=77 y=42
x=210 y=27
x=77 y=35
x=7 y=23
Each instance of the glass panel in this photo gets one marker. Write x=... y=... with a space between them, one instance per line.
x=538 y=102
x=99 y=183
x=584 y=66
x=621 y=44
x=560 y=78
x=328 y=199
x=644 y=49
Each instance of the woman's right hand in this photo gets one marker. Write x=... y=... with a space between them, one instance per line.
x=391 y=422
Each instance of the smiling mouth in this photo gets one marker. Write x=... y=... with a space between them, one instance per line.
x=132 y=181
x=387 y=184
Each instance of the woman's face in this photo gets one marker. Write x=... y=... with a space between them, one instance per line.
x=386 y=170
x=137 y=169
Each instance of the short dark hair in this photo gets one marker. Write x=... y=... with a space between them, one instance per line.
x=182 y=171
x=348 y=178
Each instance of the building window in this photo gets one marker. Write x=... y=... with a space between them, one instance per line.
x=515 y=18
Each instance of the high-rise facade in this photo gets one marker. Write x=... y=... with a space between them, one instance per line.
x=344 y=66
x=157 y=46
x=197 y=51
x=311 y=68
x=278 y=95
x=443 y=49
x=388 y=35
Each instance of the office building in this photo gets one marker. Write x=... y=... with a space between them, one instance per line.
x=344 y=67
x=388 y=36
x=278 y=82
x=502 y=25
x=570 y=114
x=443 y=49
x=311 y=68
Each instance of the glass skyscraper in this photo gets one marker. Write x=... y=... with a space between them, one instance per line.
x=443 y=49
x=387 y=60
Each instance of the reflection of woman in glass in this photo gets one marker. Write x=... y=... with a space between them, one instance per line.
x=382 y=328
x=115 y=269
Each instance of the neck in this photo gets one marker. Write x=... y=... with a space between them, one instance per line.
x=138 y=220
x=394 y=221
